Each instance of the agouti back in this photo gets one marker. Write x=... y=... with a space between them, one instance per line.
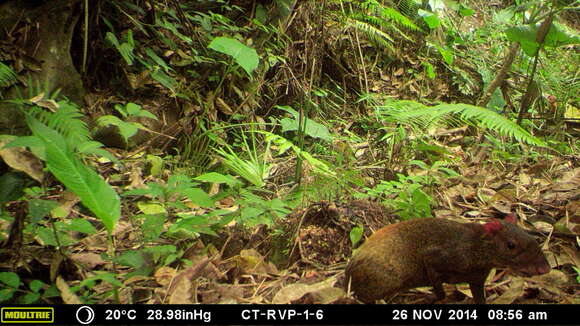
x=432 y=251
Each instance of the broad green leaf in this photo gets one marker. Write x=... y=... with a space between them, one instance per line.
x=29 y=298
x=430 y=18
x=151 y=208
x=82 y=226
x=152 y=226
x=11 y=186
x=466 y=11
x=198 y=196
x=132 y=258
x=313 y=128
x=94 y=192
x=10 y=279
x=126 y=129
x=36 y=285
x=446 y=53
x=6 y=294
x=356 y=234
x=40 y=208
x=244 y=56
x=526 y=36
x=218 y=178
x=156 y=164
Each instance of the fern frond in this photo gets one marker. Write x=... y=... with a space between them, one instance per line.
x=372 y=33
x=399 y=19
x=7 y=76
x=67 y=120
x=421 y=116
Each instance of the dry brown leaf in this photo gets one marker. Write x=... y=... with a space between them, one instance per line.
x=180 y=289
x=21 y=159
x=250 y=261
x=48 y=104
x=164 y=275
x=295 y=291
x=514 y=291
x=66 y=294
x=89 y=260
x=326 y=295
x=553 y=278
x=223 y=106
x=180 y=292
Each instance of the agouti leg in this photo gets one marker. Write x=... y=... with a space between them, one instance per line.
x=438 y=289
x=477 y=286
x=477 y=292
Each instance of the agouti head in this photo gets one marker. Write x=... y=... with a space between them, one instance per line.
x=514 y=248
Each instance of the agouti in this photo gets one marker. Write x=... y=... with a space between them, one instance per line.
x=432 y=251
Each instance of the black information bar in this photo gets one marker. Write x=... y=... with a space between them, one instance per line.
x=291 y=314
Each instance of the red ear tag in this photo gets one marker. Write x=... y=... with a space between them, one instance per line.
x=492 y=227
x=511 y=218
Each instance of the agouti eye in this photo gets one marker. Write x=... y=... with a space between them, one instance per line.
x=511 y=245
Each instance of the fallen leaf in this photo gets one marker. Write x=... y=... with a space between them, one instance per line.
x=66 y=294
x=514 y=291
x=295 y=291
x=21 y=159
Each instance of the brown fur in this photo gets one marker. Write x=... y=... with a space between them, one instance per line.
x=429 y=251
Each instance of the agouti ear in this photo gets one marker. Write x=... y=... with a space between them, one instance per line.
x=511 y=218
x=492 y=227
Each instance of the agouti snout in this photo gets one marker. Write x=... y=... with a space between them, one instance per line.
x=431 y=251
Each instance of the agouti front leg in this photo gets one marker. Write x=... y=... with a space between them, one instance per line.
x=438 y=289
x=477 y=286
x=432 y=263
x=435 y=281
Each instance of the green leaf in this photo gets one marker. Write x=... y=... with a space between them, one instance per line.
x=430 y=18
x=153 y=226
x=244 y=56
x=7 y=76
x=11 y=186
x=10 y=279
x=356 y=234
x=36 y=285
x=313 y=128
x=131 y=258
x=198 y=196
x=29 y=298
x=164 y=79
x=46 y=235
x=526 y=35
x=157 y=59
x=82 y=226
x=151 y=208
x=125 y=49
x=93 y=191
x=6 y=294
x=40 y=208
x=126 y=129
x=215 y=177
x=466 y=11
x=446 y=53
